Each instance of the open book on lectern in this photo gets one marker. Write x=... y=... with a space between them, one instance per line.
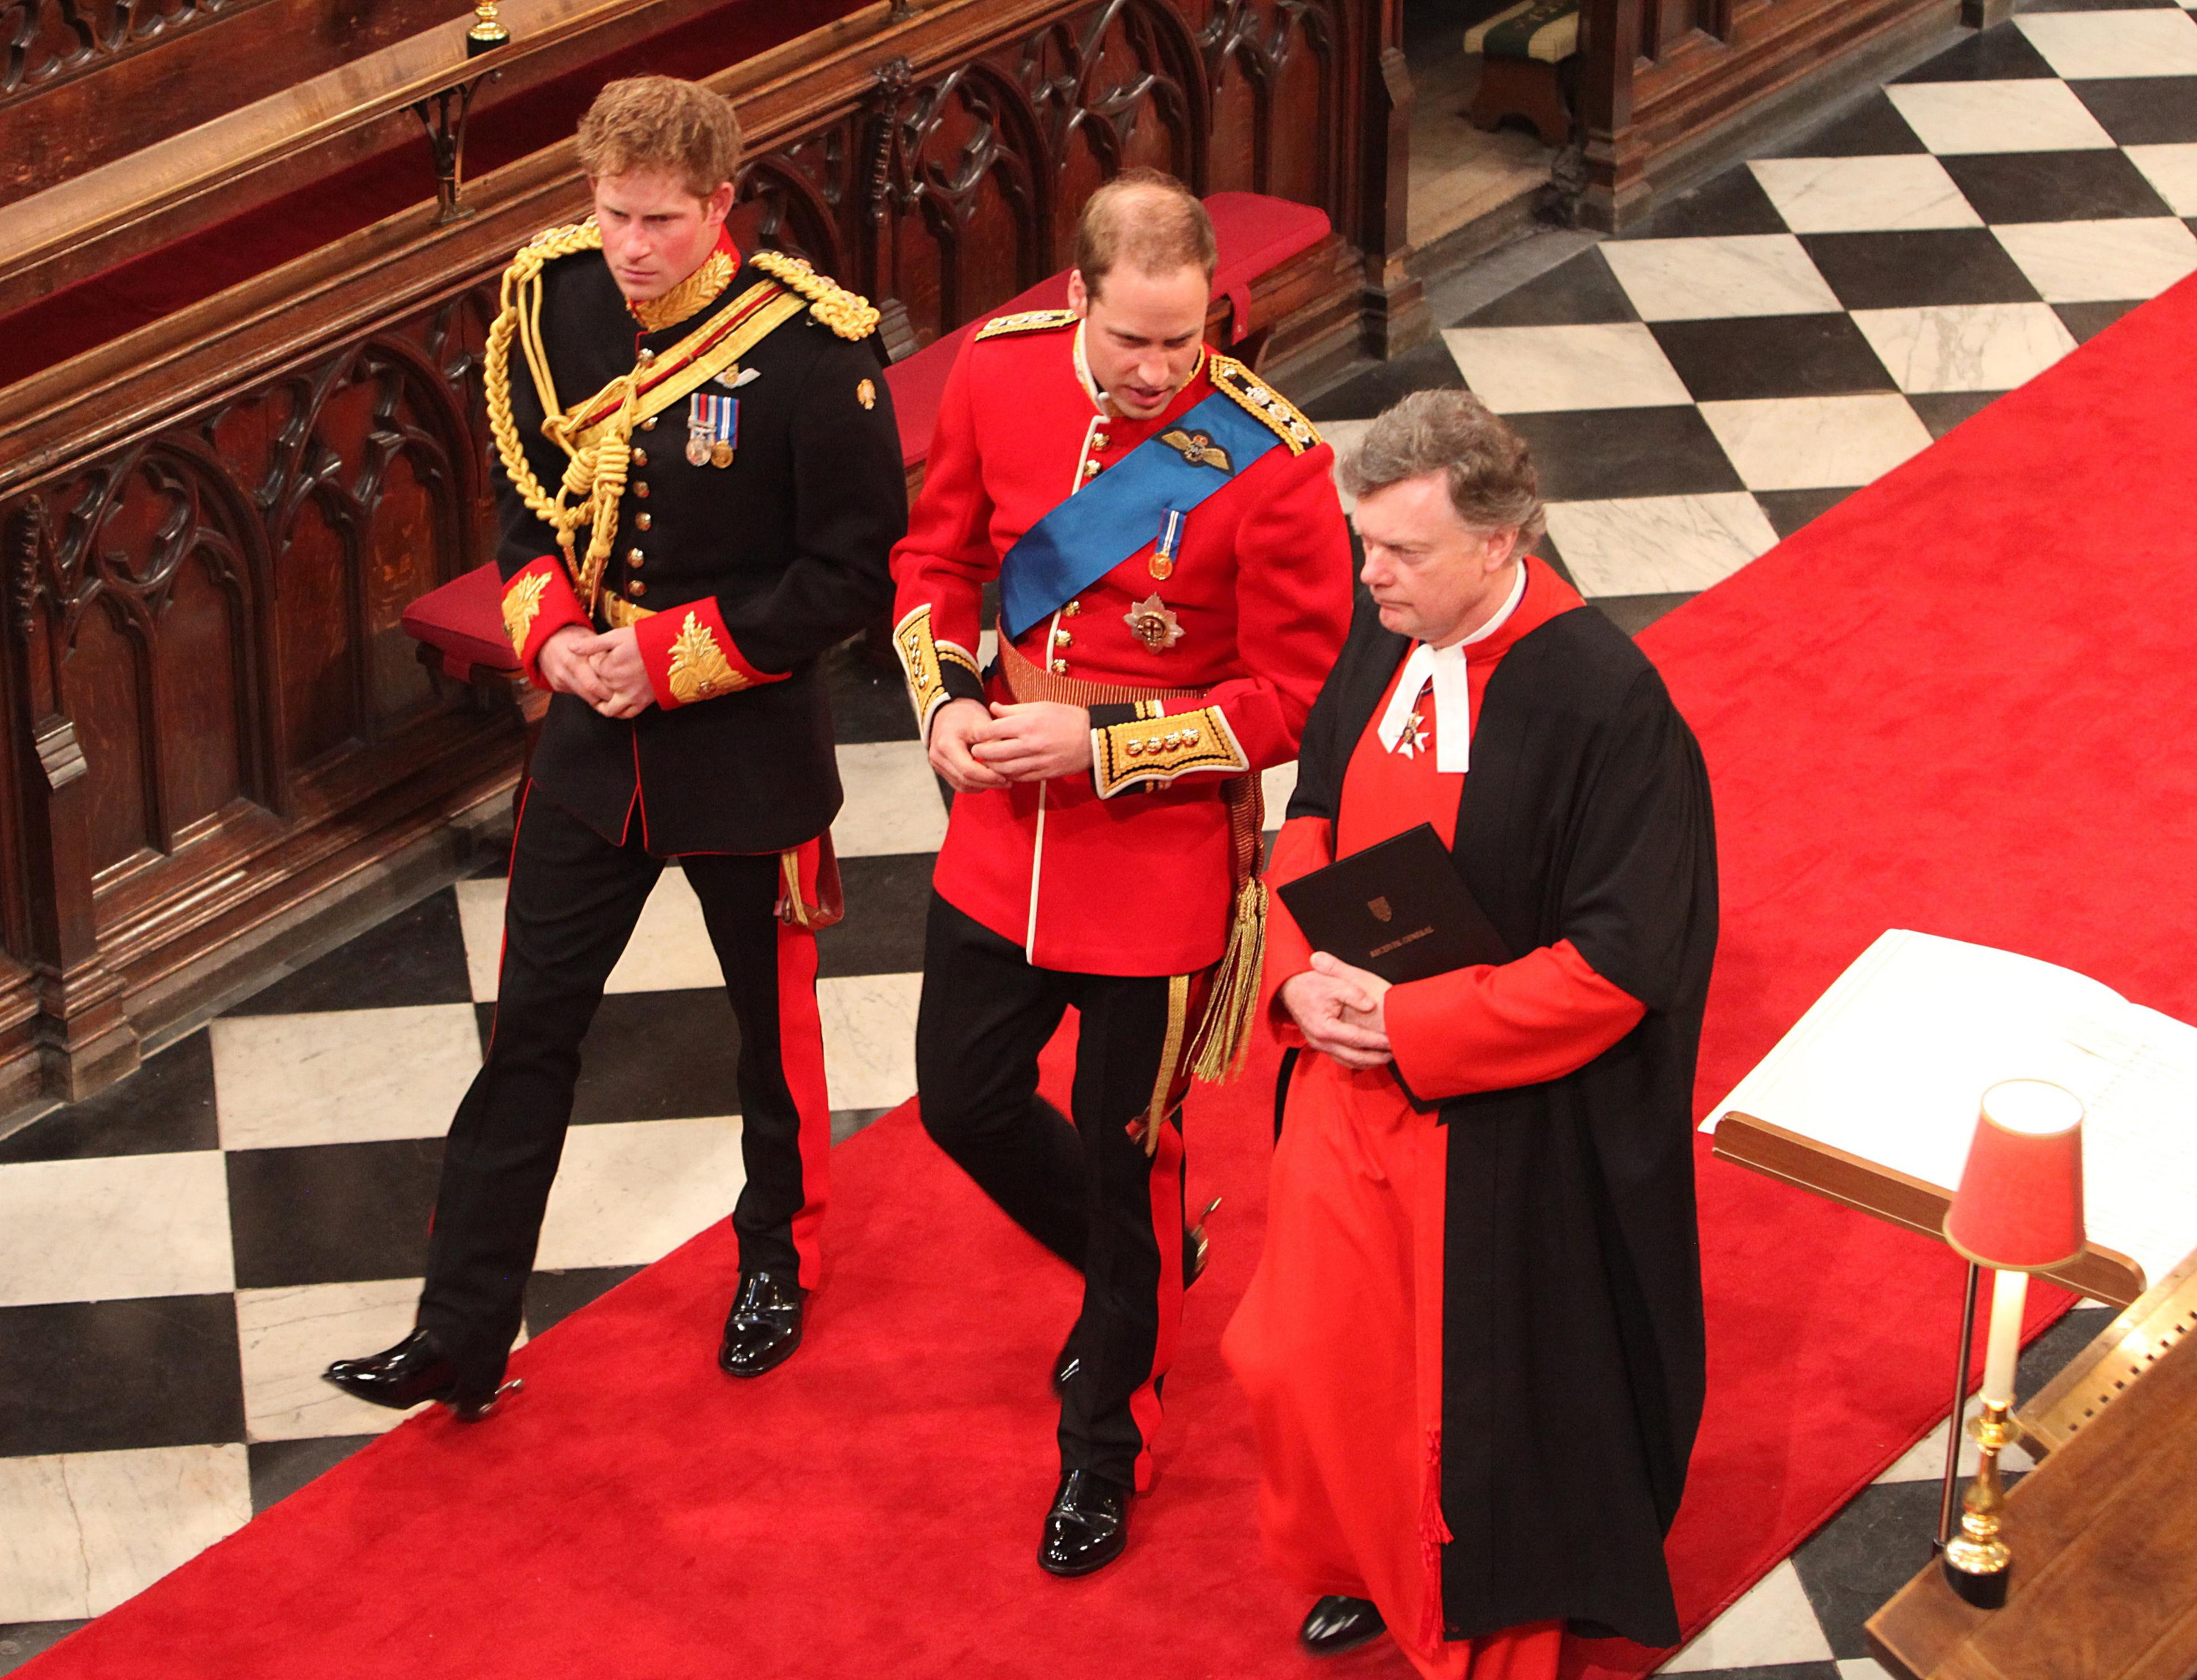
x=1890 y=1063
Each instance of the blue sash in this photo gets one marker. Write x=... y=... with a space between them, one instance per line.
x=1124 y=509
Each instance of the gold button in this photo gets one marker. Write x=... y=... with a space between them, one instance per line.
x=643 y=521
x=1101 y=440
x=649 y=425
x=1071 y=609
x=647 y=357
x=1136 y=748
x=641 y=490
x=1060 y=668
x=705 y=687
x=637 y=589
x=1090 y=468
x=1062 y=639
x=1190 y=738
x=641 y=457
x=634 y=557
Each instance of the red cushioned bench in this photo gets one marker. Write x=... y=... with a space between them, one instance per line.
x=460 y=626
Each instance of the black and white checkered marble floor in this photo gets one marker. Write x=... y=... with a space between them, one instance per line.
x=180 y=1255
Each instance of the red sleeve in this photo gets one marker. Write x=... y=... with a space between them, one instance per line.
x=1305 y=843
x=538 y=602
x=691 y=656
x=940 y=568
x=1293 y=598
x=1490 y=1028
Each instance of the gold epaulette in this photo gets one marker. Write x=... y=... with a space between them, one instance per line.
x=849 y=314
x=1029 y=321
x=1254 y=394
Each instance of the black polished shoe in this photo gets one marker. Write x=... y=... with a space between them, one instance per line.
x=1087 y=1527
x=763 y=1328
x=415 y=1370
x=1338 y=1624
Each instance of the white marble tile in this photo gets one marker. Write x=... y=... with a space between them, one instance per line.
x=480 y=919
x=115 y=1228
x=1925 y=1461
x=1851 y=195
x=2092 y=45
x=2172 y=172
x=2040 y=115
x=893 y=803
x=1815 y=443
x=287 y=1337
x=1862 y=1668
x=84 y=1531
x=1523 y=370
x=1659 y=545
x=629 y=1193
x=1772 y=1623
x=1276 y=785
x=669 y=950
x=2101 y=262
x=1701 y=279
x=343 y=1075
x=1966 y=346
x=869 y=1038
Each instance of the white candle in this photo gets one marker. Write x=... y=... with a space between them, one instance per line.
x=2009 y=1291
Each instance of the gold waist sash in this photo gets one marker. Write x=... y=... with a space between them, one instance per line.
x=1028 y=682
x=619 y=612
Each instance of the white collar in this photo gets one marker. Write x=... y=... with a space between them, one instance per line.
x=1099 y=398
x=1445 y=667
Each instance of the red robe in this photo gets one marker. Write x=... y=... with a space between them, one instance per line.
x=1338 y=1340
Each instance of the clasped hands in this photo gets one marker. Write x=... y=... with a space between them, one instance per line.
x=607 y=671
x=1340 y=1010
x=975 y=746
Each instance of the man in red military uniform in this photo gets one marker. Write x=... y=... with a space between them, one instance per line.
x=1174 y=583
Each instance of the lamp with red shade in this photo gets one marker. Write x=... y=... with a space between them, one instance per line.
x=2019 y=1209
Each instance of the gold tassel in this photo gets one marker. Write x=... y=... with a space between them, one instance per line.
x=1225 y=1036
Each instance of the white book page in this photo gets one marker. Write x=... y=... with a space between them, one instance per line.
x=1890 y=1064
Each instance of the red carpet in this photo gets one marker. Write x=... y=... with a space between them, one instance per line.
x=1957 y=703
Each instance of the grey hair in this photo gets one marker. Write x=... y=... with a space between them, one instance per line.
x=1492 y=481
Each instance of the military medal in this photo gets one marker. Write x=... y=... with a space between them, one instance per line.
x=713 y=429
x=1161 y=563
x=1151 y=623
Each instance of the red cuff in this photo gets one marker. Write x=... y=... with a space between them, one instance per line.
x=538 y=602
x=691 y=656
x=1493 y=1028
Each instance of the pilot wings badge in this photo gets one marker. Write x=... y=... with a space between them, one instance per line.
x=1198 y=449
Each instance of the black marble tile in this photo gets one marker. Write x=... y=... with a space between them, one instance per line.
x=845 y=1123
x=2085 y=321
x=1587 y=454
x=1578 y=292
x=1999 y=54
x=2007 y=187
x=552 y=1295
x=1634 y=613
x=417 y=956
x=2045 y=1357
x=2144 y=110
x=1915 y=269
x=1424 y=367
x=1865 y=1554
x=1731 y=203
x=107 y=1376
x=21 y=1641
x=279 y=1468
x=1788 y=510
x=332 y=1213
x=166 y=1106
x=1871 y=127
x=1771 y=355
x=887 y=900
x=869 y=699
x=496 y=859
x=1943 y=411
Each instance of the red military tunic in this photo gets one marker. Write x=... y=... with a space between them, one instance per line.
x=1338 y=1340
x=1128 y=871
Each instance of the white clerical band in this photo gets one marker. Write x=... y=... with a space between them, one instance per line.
x=1444 y=667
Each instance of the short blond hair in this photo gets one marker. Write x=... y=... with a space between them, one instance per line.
x=1148 y=220
x=663 y=124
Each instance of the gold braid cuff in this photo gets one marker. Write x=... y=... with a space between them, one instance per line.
x=1158 y=749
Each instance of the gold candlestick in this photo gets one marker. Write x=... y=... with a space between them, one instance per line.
x=1978 y=1563
x=488 y=31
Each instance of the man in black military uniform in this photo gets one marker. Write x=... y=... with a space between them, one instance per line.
x=702 y=483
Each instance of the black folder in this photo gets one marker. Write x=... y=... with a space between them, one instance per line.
x=1399 y=909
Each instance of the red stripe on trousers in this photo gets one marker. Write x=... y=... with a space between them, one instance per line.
x=801 y=1056
x=1166 y=1183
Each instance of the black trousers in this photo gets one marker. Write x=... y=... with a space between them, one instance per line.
x=573 y=901
x=1088 y=1189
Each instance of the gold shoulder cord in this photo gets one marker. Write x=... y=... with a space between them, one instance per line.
x=1250 y=392
x=597 y=470
x=849 y=314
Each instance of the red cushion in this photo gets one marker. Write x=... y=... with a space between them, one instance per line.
x=1258 y=234
x=463 y=621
